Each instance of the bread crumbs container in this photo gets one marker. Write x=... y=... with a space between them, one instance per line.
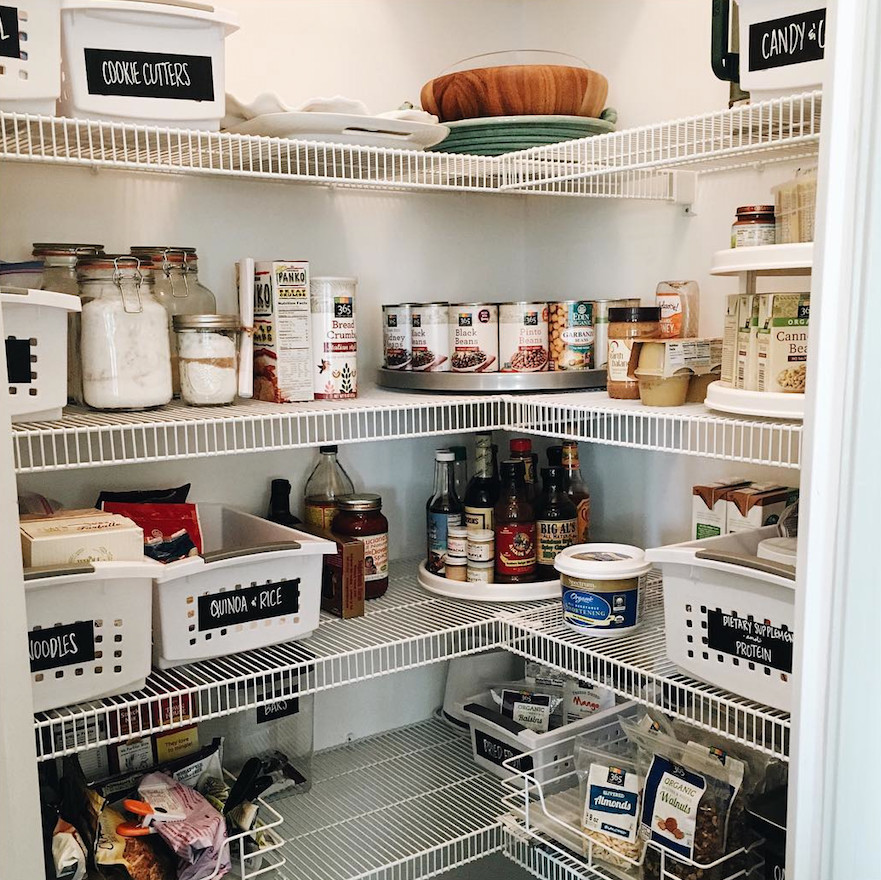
x=603 y=587
x=334 y=343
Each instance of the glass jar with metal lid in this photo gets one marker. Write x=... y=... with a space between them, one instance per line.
x=207 y=350
x=124 y=340
x=176 y=285
x=754 y=225
x=360 y=517
x=59 y=274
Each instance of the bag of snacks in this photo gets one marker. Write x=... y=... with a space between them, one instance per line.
x=534 y=706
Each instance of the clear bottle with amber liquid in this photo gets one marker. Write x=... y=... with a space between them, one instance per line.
x=577 y=490
x=556 y=519
x=514 y=527
x=325 y=484
x=483 y=488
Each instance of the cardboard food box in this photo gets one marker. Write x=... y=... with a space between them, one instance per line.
x=729 y=340
x=77 y=536
x=342 y=577
x=747 y=341
x=782 y=347
x=757 y=505
x=667 y=357
x=709 y=508
x=282 y=332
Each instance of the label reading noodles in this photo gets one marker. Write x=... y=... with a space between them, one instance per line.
x=375 y=556
x=65 y=645
x=10 y=46
x=670 y=805
x=530 y=710
x=612 y=802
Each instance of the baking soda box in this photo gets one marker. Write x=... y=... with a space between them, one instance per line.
x=282 y=332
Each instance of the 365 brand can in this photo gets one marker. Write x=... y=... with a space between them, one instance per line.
x=430 y=337
x=601 y=326
x=334 y=343
x=397 y=336
x=474 y=338
x=570 y=335
x=523 y=337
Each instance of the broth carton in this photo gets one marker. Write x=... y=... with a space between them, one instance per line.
x=709 y=508
x=757 y=505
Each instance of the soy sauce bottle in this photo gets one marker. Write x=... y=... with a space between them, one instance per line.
x=280 y=504
x=556 y=522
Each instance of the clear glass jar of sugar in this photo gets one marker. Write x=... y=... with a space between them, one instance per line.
x=207 y=350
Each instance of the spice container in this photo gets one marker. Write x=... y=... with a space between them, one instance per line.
x=481 y=545
x=457 y=543
x=125 y=352
x=627 y=325
x=474 y=338
x=431 y=337
x=207 y=347
x=571 y=335
x=754 y=225
x=480 y=572
x=176 y=286
x=601 y=326
x=456 y=569
x=360 y=517
x=397 y=336
x=602 y=587
x=334 y=343
x=523 y=337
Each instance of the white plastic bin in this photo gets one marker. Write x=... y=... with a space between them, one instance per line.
x=144 y=62
x=35 y=333
x=88 y=630
x=30 y=56
x=257 y=584
x=725 y=623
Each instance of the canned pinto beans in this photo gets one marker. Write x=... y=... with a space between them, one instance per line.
x=474 y=338
x=570 y=335
x=430 y=337
x=397 y=337
x=523 y=337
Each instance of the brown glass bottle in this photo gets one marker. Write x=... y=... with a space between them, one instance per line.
x=514 y=527
x=280 y=504
x=483 y=490
x=577 y=489
x=521 y=450
x=555 y=456
x=556 y=521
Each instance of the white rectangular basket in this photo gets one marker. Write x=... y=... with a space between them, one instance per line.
x=144 y=62
x=726 y=623
x=30 y=56
x=35 y=333
x=257 y=583
x=88 y=630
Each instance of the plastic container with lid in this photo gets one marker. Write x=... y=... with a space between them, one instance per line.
x=480 y=572
x=360 y=517
x=457 y=543
x=754 y=225
x=626 y=326
x=602 y=587
x=783 y=550
x=207 y=347
x=481 y=545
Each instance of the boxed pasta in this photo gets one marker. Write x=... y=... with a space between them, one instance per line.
x=782 y=346
x=73 y=536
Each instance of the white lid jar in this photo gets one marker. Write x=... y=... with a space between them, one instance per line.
x=603 y=586
x=207 y=350
x=124 y=338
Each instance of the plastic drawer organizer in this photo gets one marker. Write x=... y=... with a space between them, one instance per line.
x=257 y=583
x=30 y=56
x=729 y=616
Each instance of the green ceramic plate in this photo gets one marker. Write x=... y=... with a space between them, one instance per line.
x=582 y=123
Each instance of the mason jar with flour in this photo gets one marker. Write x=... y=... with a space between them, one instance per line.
x=334 y=344
x=207 y=349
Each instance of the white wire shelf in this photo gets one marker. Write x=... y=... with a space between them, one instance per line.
x=406 y=804
x=543 y=861
x=89 y=439
x=636 y=666
x=406 y=628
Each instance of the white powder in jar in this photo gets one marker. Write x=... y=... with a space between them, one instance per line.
x=207 y=367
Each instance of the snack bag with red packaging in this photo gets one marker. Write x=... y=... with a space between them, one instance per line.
x=171 y=531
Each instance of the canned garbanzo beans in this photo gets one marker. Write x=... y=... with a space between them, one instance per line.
x=523 y=337
x=474 y=338
x=430 y=337
x=570 y=335
x=397 y=339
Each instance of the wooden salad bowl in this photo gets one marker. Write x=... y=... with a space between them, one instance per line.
x=516 y=90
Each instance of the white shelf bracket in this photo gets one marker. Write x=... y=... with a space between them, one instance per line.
x=683 y=191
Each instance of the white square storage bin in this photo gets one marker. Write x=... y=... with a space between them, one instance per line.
x=725 y=623
x=495 y=739
x=88 y=630
x=30 y=56
x=144 y=62
x=35 y=333
x=257 y=583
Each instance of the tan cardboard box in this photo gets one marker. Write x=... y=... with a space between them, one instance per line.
x=757 y=505
x=84 y=536
x=709 y=508
x=342 y=580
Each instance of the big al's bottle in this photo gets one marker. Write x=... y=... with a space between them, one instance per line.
x=577 y=490
x=483 y=490
x=514 y=527
x=444 y=509
x=325 y=484
x=555 y=522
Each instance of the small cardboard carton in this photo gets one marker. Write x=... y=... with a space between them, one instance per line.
x=757 y=505
x=729 y=340
x=709 y=508
x=342 y=579
x=747 y=341
x=782 y=349
x=77 y=536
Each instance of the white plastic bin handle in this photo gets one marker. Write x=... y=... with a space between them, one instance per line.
x=32 y=574
x=218 y=555
x=768 y=566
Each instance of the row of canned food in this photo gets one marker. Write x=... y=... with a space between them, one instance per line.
x=511 y=337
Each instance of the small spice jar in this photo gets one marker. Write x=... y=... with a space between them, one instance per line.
x=481 y=545
x=360 y=517
x=626 y=326
x=207 y=351
x=456 y=570
x=755 y=225
x=457 y=544
x=481 y=572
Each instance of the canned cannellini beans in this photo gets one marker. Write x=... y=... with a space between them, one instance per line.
x=523 y=337
x=430 y=337
x=474 y=338
x=570 y=335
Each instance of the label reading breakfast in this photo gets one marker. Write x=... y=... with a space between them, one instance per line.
x=9 y=37
x=251 y=603
x=670 y=805
x=58 y=646
x=530 y=710
x=149 y=75
x=612 y=802
x=752 y=640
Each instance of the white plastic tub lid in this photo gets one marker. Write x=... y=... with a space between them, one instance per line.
x=782 y=550
x=602 y=561
x=182 y=8
x=28 y=296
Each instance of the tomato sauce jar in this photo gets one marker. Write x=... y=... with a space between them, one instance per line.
x=360 y=516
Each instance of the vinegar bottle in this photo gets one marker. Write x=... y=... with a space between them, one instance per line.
x=577 y=490
x=325 y=484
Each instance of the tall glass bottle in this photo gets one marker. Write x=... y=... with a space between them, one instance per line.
x=514 y=527
x=555 y=456
x=555 y=522
x=280 y=504
x=521 y=449
x=325 y=484
x=443 y=509
x=483 y=489
x=577 y=489
x=460 y=470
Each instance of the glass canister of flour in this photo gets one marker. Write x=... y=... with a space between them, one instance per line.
x=334 y=345
x=126 y=360
x=207 y=351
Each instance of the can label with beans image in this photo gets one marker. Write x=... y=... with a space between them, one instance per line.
x=430 y=337
x=523 y=337
x=474 y=338
x=571 y=335
x=397 y=336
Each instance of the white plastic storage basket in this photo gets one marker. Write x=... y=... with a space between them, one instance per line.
x=726 y=623
x=144 y=62
x=495 y=740
x=257 y=583
x=30 y=56
x=35 y=333
x=88 y=630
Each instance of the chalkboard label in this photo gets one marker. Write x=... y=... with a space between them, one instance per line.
x=278 y=709
x=18 y=361
x=497 y=752
x=58 y=646
x=751 y=640
x=9 y=39
x=795 y=39
x=252 y=603
x=149 y=75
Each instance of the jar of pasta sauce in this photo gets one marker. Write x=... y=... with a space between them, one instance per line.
x=360 y=516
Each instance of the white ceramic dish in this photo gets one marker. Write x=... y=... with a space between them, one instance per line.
x=768 y=404
x=479 y=592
